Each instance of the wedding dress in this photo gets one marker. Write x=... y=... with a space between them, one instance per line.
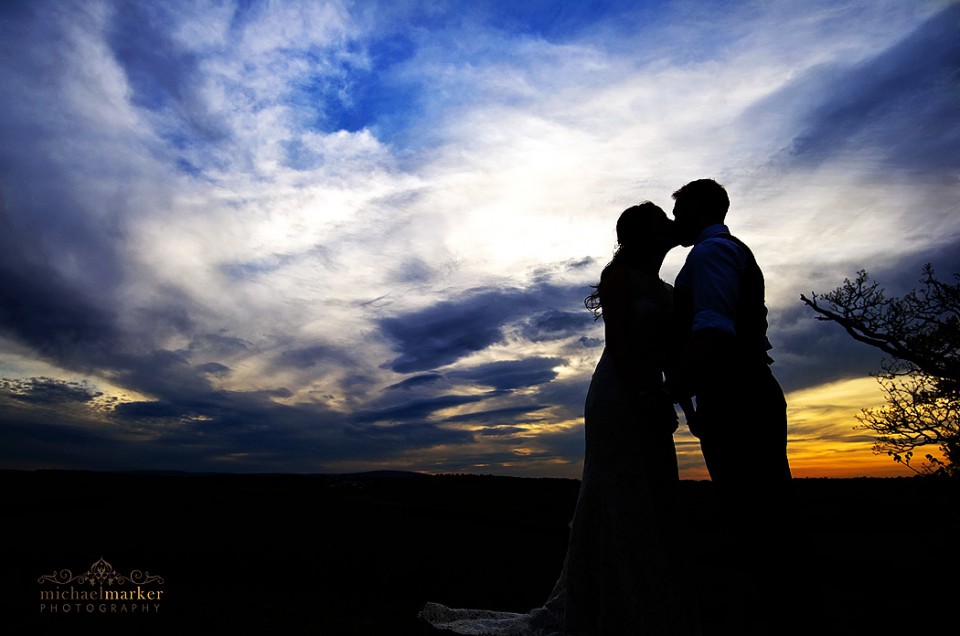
x=619 y=576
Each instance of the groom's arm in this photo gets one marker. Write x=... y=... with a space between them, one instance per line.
x=715 y=267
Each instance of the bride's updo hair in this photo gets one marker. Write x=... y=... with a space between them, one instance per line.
x=640 y=228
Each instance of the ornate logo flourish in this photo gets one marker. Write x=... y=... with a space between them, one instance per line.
x=100 y=573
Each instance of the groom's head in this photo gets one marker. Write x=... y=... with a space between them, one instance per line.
x=699 y=204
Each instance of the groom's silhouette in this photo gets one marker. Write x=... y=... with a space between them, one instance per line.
x=741 y=411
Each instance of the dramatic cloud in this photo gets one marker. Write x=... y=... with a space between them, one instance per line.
x=320 y=236
x=864 y=105
x=440 y=335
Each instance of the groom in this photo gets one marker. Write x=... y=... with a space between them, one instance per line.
x=741 y=411
x=719 y=296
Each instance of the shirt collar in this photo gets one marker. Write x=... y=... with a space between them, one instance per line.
x=710 y=231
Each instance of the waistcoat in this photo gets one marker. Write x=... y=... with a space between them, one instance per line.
x=750 y=322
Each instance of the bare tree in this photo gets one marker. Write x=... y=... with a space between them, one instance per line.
x=920 y=331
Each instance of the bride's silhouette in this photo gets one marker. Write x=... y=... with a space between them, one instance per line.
x=619 y=575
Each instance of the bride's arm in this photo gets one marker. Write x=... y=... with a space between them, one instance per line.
x=677 y=385
x=690 y=414
x=681 y=397
x=615 y=291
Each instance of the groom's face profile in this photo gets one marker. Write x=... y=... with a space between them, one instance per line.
x=687 y=225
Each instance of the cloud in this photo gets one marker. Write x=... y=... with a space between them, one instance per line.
x=417 y=409
x=42 y=308
x=384 y=441
x=438 y=336
x=497 y=431
x=148 y=409
x=554 y=324
x=810 y=352
x=510 y=374
x=417 y=381
x=306 y=357
x=450 y=330
x=48 y=391
x=513 y=414
x=862 y=107
x=161 y=75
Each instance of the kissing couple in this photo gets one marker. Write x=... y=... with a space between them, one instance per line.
x=702 y=340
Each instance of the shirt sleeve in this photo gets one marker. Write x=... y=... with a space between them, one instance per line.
x=716 y=265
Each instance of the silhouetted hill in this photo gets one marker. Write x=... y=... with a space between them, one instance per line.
x=361 y=553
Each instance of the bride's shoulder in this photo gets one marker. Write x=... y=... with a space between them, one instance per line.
x=645 y=283
x=614 y=270
x=665 y=294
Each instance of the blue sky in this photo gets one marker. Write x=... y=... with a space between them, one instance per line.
x=324 y=236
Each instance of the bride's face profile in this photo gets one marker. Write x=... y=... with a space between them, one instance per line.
x=645 y=228
x=670 y=235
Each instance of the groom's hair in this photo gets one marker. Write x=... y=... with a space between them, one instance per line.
x=705 y=195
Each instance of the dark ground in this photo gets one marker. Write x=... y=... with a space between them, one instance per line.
x=345 y=555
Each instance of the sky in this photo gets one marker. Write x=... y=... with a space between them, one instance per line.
x=346 y=236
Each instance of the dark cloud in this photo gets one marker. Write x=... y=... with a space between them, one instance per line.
x=809 y=352
x=213 y=368
x=50 y=314
x=566 y=396
x=253 y=269
x=581 y=263
x=904 y=273
x=414 y=271
x=62 y=175
x=417 y=381
x=418 y=409
x=510 y=414
x=443 y=333
x=499 y=431
x=554 y=325
x=189 y=433
x=510 y=374
x=548 y=273
x=28 y=445
x=902 y=102
x=64 y=266
x=146 y=438
x=48 y=390
x=162 y=75
x=218 y=345
x=160 y=373
x=565 y=444
x=172 y=313
x=408 y=436
x=448 y=331
x=148 y=409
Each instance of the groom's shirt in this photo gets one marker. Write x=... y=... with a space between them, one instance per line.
x=722 y=287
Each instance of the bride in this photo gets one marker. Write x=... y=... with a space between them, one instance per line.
x=619 y=576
